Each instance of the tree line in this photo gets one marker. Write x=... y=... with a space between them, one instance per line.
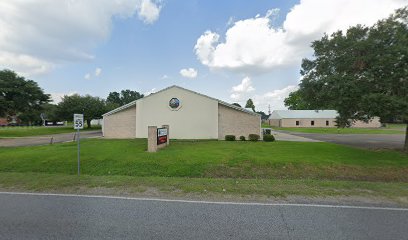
x=24 y=99
x=361 y=73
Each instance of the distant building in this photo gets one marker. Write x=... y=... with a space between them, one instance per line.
x=10 y=121
x=3 y=122
x=313 y=118
x=189 y=114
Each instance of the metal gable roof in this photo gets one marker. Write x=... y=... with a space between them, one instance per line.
x=279 y=114
x=175 y=86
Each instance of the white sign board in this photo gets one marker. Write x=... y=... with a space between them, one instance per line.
x=161 y=132
x=78 y=121
x=161 y=135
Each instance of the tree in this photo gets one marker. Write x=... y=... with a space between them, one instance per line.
x=295 y=102
x=250 y=104
x=264 y=116
x=236 y=104
x=361 y=73
x=20 y=97
x=116 y=99
x=34 y=116
x=91 y=107
x=50 y=112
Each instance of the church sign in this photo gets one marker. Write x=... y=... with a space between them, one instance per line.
x=161 y=135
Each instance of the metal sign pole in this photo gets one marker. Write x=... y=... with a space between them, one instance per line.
x=79 y=124
x=79 y=157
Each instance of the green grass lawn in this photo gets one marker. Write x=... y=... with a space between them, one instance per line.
x=207 y=167
x=38 y=130
x=345 y=130
x=218 y=159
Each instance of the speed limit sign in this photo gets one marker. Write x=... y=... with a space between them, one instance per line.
x=78 y=124
x=78 y=121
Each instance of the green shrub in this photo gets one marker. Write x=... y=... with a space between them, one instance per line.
x=229 y=137
x=242 y=138
x=253 y=137
x=268 y=138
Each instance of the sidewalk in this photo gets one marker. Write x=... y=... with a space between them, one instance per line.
x=46 y=139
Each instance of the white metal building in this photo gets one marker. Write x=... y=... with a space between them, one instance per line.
x=313 y=118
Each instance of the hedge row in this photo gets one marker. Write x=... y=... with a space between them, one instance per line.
x=251 y=137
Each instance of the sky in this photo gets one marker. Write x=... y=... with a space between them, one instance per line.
x=232 y=50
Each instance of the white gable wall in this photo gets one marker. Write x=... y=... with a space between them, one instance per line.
x=196 y=119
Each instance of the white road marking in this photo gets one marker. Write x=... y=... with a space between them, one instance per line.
x=207 y=202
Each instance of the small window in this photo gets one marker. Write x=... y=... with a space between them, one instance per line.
x=327 y=123
x=312 y=123
x=297 y=123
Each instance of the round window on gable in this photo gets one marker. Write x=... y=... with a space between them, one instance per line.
x=174 y=104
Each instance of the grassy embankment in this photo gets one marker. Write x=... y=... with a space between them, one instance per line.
x=238 y=168
x=6 y=132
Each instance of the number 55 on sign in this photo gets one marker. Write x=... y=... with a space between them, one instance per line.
x=78 y=121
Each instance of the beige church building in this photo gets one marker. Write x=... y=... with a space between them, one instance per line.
x=313 y=118
x=190 y=115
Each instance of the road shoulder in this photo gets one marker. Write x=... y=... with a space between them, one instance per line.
x=356 y=193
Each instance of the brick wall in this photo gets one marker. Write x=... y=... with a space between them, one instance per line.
x=120 y=124
x=321 y=122
x=238 y=123
x=307 y=122
x=274 y=122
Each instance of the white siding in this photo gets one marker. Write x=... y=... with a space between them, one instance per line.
x=196 y=119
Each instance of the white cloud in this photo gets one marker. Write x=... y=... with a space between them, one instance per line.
x=98 y=72
x=254 y=44
x=241 y=90
x=57 y=97
x=37 y=36
x=149 y=11
x=164 y=76
x=274 y=98
x=245 y=86
x=24 y=64
x=188 y=72
x=231 y=20
x=205 y=49
x=236 y=97
x=153 y=90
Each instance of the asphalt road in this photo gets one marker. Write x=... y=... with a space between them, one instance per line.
x=371 y=141
x=74 y=217
x=46 y=139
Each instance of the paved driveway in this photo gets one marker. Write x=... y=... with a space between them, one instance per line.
x=85 y=217
x=282 y=136
x=371 y=141
x=46 y=139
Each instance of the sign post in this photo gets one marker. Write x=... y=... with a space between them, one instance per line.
x=78 y=124
x=42 y=116
x=157 y=138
